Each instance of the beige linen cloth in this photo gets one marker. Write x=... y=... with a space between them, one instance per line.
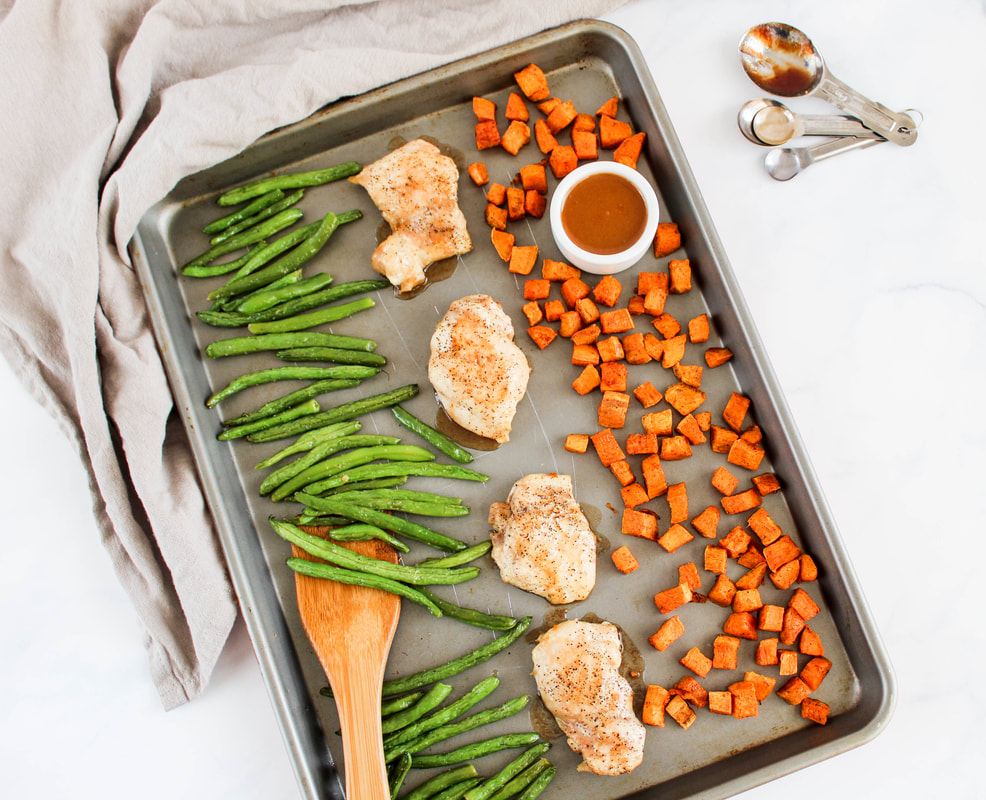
x=104 y=106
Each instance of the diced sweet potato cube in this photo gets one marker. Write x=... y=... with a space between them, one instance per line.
x=651 y=280
x=515 y=136
x=496 y=194
x=607 y=291
x=587 y=381
x=717 y=356
x=635 y=349
x=814 y=671
x=503 y=243
x=691 y=691
x=724 y=651
x=680 y=275
x=811 y=643
x=573 y=290
x=515 y=203
x=684 y=398
x=541 y=335
x=724 y=481
x=753 y=577
x=609 y=108
x=655 y=701
x=794 y=691
x=522 y=261
x=670 y=599
x=639 y=523
x=655 y=346
x=610 y=348
x=707 y=522
x=633 y=495
x=678 y=503
x=635 y=305
x=784 y=577
x=561 y=116
x=562 y=160
x=735 y=410
x=613 y=377
x=766 y=483
x=787 y=662
x=723 y=591
x=697 y=662
x=794 y=623
x=704 y=420
x=483 y=108
x=487 y=134
x=535 y=288
x=698 y=329
x=624 y=560
x=584 y=122
x=477 y=171
x=559 y=271
x=680 y=712
x=577 y=442
x=747 y=600
x=763 y=525
x=607 y=448
x=674 y=351
x=801 y=602
x=532 y=176
x=496 y=217
x=547 y=105
x=808 y=571
x=738 y=503
x=587 y=335
x=688 y=373
x=622 y=472
x=619 y=320
x=628 y=151
x=741 y=624
x=766 y=655
x=721 y=439
x=744 y=699
x=746 y=455
x=675 y=448
x=647 y=394
x=781 y=552
x=752 y=434
x=543 y=137
x=583 y=354
x=641 y=444
x=535 y=204
x=587 y=310
x=771 y=618
x=666 y=635
x=658 y=422
x=735 y=542
x=666 y=325
x=613 y=132
x=585 y=144
x=721 y=703
x=533 y=312
x=715 y=559
x=553 y=310
x=516 y=108
x=654 y=478
x=674 y=537
x=569 y=323
x=667 y=239
x=688 y=574
x=655 y=300
x=763 y=684
x=815 y=710
x=533 y=83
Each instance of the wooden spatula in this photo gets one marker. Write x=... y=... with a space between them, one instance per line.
x=351 y=629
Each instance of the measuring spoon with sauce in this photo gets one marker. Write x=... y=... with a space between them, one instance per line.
x=768 y=122
x=781 y=60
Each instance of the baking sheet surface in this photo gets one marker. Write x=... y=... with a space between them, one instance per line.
x=587 y=63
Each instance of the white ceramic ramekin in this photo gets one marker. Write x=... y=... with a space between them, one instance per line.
x=593 y=262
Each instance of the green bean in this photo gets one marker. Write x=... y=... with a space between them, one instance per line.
x=289 y=262
x=275 y=248
x=462 y=557
x=277 y=405
x=347 y=559
x=244 y=345
x=539 y=784
x=379 y=483
x=511 y=770
x=284 y=203
x=386 y=502
x=320 y=451
x=460 y=726
x=332 y=355
x=355 y=457
x=291 y=181
x=431 y=699
x=471 y=616
x=290 y=280
x=443 y=716
x=266 y=228
x=456 y=791
x=398 y=704
x=249 y=210
x=276 y=374
x=430 y=435
x=442 y=781
x=354 y=578
x=348 y=533
x=461 y=664
x=397 y=774
x=372 y=471
x=519 y=782
x=351 y=410
x=311 y=319
x=268 y=298
x=289 y=415
x=388 y=522
x=477 y=750
x=212 y=270
x=305 y=443
x=403 y=494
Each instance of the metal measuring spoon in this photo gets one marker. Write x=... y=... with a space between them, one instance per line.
x=768 y=122
x=783 y=61
x=783 y=163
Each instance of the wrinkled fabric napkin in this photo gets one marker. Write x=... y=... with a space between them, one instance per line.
x=105 y=105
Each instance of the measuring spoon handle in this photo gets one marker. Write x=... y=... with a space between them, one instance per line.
x=897 y=128
x=828 y=125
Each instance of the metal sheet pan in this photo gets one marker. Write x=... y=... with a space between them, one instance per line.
x=587 y=62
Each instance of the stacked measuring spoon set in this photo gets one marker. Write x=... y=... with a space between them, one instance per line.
x=782 y=61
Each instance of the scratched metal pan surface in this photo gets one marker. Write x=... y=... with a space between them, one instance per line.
x=586 y=62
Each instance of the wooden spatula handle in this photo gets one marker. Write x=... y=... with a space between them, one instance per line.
x=362 y=741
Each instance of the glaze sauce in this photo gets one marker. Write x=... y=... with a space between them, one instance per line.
x=604 y=214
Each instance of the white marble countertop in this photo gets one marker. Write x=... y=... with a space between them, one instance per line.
x=866 y=278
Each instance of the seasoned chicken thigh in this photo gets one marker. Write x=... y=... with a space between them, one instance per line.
x=416 y=189
x=542 y=541
x=478 y=372
x=576 y=667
